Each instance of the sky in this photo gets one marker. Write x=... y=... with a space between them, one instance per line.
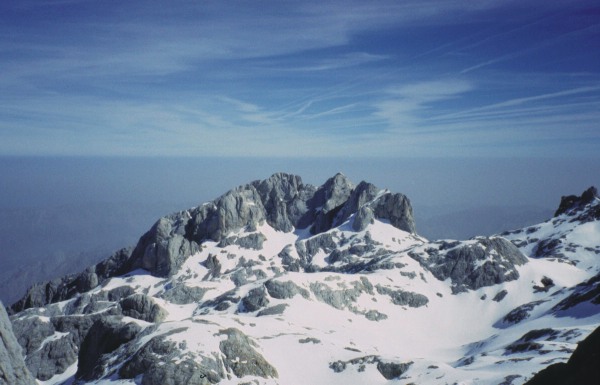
x=414 y=78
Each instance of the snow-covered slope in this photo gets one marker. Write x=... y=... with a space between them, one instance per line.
x=278 y=282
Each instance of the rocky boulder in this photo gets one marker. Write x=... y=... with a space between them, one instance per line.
x=241 y=357
x=284 y=290
x=105 y=336
x=142 y=307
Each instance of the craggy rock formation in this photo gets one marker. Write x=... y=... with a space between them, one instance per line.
x=282 y=201
x=472 y=264
x=68 y=287
x=105 y=336
x=574 y=202
x=208 y=294
x=12 y=366
x=581 y=369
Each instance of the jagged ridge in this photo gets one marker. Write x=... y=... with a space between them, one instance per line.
x=234 y=271
x=282 y=201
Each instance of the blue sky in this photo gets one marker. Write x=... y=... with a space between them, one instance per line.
x=300 y=78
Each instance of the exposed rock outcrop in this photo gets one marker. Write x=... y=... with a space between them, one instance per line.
x=284 y=290
x=68 y=287
x=581 y=369
x=158 y=363
x=574 y=202
x=242 y=358
x=13 y=370
x=472 y=265
x=282 y=201
x=164 y=248
x=142 y=307
x=105 y=335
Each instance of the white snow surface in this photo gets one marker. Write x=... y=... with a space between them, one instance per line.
x=453 y=339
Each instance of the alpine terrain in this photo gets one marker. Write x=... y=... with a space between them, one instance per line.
x=281 y=282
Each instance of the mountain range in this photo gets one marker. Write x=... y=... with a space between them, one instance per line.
x=282 y=282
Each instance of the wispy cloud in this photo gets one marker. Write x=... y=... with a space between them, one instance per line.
x=501 y=107
x=405 y=104
x=300 y=78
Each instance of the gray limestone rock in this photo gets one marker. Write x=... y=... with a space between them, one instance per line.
x=222 y=302
x=528 y=341
x=57 y=290
x=12 y=366
x=392 y=370
x=181 y=294
x=363 y=218
x=254 y=300
x=239 y=277
x=581 y=369
x=142 y=307
x=329 y=200
x=31 y=332
x=241 y=357
x=284 y=290
x=500 y=295
x=119 y=293
x=105 y=336
x=395 y=208
x=403 y=298
x=77 y=326
x=162 y=254
x=237 y=209
x=285 y=200
x=587 y=291
x=53 y=357
x=520 y=313
x=273 y=310
x=289 y=262
x=374 y=315
x=573 y=203
x=339 y=299
x=160 y=362
x=487 y=262
x=155 y=350
x=308 y=248
x=252 y=241
x=186 y=372
x=213 y=265
x=363 y=194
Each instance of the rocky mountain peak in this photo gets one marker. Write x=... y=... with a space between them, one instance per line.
x=325 y=274
x=574 y=202
x=283 y=201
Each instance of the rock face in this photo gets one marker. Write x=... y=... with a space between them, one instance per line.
x=282 y=201
x=574 y=202
x=581 y=369
x=68 y=287
x=105 y=335
x=12 y=366
x=472 y=264
x=213 y=295
x=242 y=358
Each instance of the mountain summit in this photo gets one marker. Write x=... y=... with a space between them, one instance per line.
x=281 y=282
